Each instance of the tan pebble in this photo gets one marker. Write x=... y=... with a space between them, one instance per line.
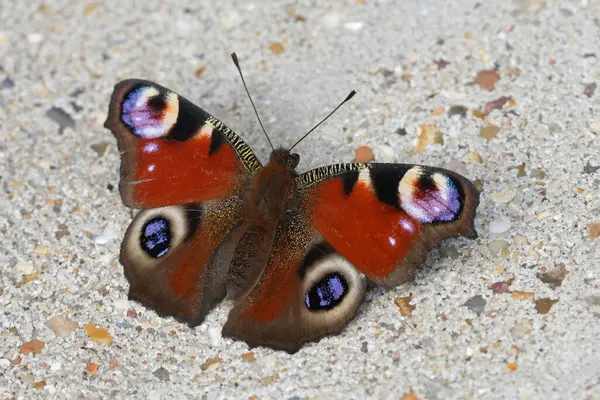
x=404 y=306
x=364 y=154
x=98 y=335
x=543 y=215
x=543 y=306
x=39 y=385
x=426 y=135
x=489 y=132
x=90 y=368
x=487 y=79
x=41 y=250
x=522 y=295
x=62 y=326
x=438 y=111
x=594 y=231
x=211 y=363
x=410 y=396
x=473 y=158
x=276 y=48
x=32 y=347
x=250 y=356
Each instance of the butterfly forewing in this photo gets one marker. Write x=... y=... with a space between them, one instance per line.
x=383 y=218
x=173 y=152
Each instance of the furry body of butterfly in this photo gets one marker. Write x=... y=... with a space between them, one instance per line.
x=294 y=251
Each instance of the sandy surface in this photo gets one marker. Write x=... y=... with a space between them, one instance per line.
x=61 y=218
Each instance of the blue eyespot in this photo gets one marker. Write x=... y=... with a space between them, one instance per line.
x=327 y=293
x=155 y=238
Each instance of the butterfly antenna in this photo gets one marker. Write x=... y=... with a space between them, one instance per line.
x=352 y=93
x=237 y=65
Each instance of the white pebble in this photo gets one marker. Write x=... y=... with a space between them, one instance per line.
x=595 y=126
x=386 y=153
x=100 y=239
x=504 y=196
x=214 y=335
x=332 y=20
x=24 y=268
x=55 y=366
x=4 y=363
x=500 y=225
x=34 y=38
x=121 y=304
x=354 y=26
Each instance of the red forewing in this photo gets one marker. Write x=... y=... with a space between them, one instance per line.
x=173 y=152
x=384 y=217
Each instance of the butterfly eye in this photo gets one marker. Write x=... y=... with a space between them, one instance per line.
x=148 y=112
x=332 y=289
x=154 y=233
x=327 y=293
x=292 y=161
x=156 y=237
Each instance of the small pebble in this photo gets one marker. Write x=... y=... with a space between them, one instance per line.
x=211 y=363
x=476 y=304
x=214 y=335
x=42 y=250
x=496 y=246
x=500 y=287
x=62 y=326
x=504 y=196
x=354 y=26
x=500 y=225
x=7 y=83
x=364 y=154
x=24 y=268
x=162 y=374
x=473 y=158
x=35 y=38
x=98 y=335
x=121 y=304
x=595 y=126
x=99 y=148
x=364 y=347
x=61 y=117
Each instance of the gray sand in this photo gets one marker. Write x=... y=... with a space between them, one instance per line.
x=61 y=218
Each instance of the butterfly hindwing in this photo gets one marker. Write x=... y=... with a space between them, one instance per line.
x=383 y=218
x=176 y=257
x=173 y=152
x=306 y=291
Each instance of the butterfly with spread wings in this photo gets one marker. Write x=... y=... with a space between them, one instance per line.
x=294 y=251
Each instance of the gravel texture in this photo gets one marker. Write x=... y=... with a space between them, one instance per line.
x=513 y=314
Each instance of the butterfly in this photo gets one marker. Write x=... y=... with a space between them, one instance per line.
x=294 y=251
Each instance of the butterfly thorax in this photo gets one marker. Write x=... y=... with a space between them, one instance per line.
x=273 y=187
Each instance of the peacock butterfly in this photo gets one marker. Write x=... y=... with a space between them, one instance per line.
x=294 y=251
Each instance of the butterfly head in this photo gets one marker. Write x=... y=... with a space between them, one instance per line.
x=285 y=158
